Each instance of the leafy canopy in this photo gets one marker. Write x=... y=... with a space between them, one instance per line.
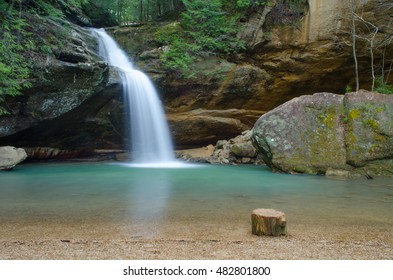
x=205 y=27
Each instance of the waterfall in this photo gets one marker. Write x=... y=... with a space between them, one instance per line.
x=150 y=137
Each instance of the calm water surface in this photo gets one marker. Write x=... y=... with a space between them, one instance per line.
x=150 y=201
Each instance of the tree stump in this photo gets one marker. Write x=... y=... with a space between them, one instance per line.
x=268 y=222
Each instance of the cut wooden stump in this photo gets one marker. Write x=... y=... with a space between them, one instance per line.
x=268 y=222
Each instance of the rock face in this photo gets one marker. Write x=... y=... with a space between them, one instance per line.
x=74 y=102
x=11 y=156
x=202 y=127
x=293 y=49
x=329 y=133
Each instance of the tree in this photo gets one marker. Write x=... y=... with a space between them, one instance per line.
x=353 y=34
x=138 y=10
x=373 y=34
x=205 y=28
x=210 y=26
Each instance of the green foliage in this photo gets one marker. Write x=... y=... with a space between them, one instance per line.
x=179 y=53
x=14 y=67
x=348 y=89
x=205 y=28
x=126 y=11
x=242 y=4
x=383 y=86
x=210 y=27
x=18 y=46
x=47 y=9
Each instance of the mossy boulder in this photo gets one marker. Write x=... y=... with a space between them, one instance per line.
x=325 y=131
x=369 y=130
x=303 y=135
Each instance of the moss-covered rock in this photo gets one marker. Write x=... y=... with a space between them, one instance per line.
x=369 y=130
x=74 y=98
x=325 y=131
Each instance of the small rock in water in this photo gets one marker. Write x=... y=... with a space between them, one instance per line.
x=338 y=173
x=11 y=156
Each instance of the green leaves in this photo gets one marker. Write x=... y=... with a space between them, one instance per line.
x=383 y=86
x=205 y=27
x=14 y=67
x=244 y=4
x=210 y=27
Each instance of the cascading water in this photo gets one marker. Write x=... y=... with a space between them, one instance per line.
x=150 y=138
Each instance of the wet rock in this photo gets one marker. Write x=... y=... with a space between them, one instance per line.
x=330 y=172
x=48 y=153
x=125 y=157
x=10 y=157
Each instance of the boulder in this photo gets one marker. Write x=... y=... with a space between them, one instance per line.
x=303 y=135
x=11 y=156
x=243 y=150
x=369 y=120
x=323 y=132
x=238 y=150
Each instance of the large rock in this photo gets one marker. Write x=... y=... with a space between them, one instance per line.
x=369 y=131
x=314 y=134
x=203 y=127
x=74 y=102
x=11 y=156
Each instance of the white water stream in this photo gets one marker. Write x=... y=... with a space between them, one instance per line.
x=150 y=137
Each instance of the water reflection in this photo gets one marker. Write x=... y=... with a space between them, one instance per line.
x=148 y=197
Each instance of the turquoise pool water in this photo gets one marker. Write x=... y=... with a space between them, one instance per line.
x=112 y=200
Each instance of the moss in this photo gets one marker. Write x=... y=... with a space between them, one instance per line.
x=330 y=120
x=380 y=138
x=355 y=114
x=380 y=109
x=352 y=138
x=373 y=123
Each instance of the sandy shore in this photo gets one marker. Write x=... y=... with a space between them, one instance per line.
x=352 y=242
x=262 y=248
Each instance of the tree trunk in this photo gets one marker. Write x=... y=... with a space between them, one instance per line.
x=355 y=58
x=268 y=222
